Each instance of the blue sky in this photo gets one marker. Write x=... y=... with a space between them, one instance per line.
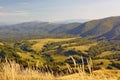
x=56 y=10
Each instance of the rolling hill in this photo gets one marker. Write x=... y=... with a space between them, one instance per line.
x=28 y=30
x=108 y=28
x=64 y=28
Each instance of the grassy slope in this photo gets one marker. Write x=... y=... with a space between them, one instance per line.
x=41 y=42
x=33 y=59
x=105 y=62
x=82 y=48
x=106 y=53
x=61 y=58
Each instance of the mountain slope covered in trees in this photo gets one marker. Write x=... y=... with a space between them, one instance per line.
x=108 y=28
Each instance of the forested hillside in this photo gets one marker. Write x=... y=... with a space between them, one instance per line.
x=34 y=30
x=108 y=28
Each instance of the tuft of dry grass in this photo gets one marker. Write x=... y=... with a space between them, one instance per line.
x=13 y=71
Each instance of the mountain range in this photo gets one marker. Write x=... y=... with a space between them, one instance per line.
x=108 y=28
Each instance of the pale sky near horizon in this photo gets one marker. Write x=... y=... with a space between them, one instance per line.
x=56 y=10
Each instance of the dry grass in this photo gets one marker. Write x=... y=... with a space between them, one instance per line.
x=41 y=42
x=82 y=48
x=105 y=62
x=1 y=44
x=98 y=75
x=13 y=71
x=106 y=53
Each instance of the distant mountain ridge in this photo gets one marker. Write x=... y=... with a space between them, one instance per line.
x=64 y=28
x=33 y=30
x=108 y=28
x=72 y=21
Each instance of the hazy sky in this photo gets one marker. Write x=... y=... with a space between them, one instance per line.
x=56 y=10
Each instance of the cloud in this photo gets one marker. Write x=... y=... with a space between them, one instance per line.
x=16 y=13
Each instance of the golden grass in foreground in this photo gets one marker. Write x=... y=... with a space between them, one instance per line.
x=13 y=71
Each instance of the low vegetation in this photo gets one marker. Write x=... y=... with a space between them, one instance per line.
x=38 y=58
x=10 y=70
